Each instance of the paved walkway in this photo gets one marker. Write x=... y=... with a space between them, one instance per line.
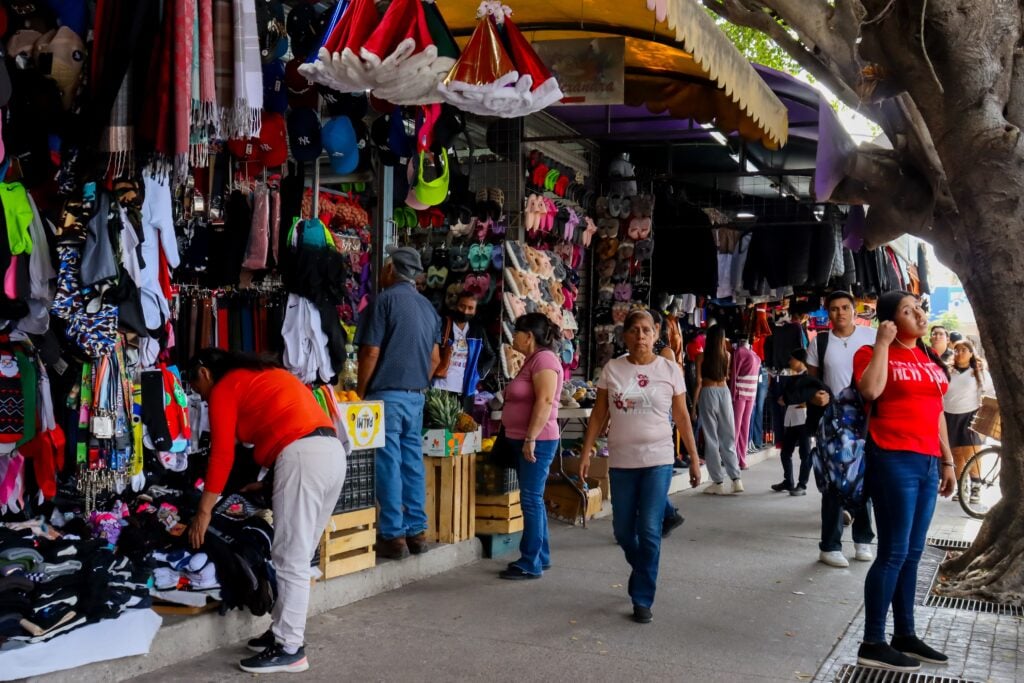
x=741 y=598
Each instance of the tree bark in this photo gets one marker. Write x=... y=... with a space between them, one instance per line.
x=953 y=73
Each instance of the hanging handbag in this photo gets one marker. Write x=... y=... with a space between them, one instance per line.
x=445 y=351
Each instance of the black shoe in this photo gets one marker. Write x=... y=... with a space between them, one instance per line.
x=798 y=491
x=516 y=574
x=642 y=615
x=261 y=643
x=672 y=523
x=883 y=656
x=912 y=646
x=782 y=486
x=275 y=660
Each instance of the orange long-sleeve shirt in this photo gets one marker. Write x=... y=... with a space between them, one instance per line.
x=267 y=408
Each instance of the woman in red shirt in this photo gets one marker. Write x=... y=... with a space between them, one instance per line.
x=256 y=402
x=908 y=460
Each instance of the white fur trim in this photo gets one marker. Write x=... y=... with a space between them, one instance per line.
x=547 y=94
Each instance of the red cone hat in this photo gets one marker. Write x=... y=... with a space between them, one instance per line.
x=484 y=60
x=403 y=20
x=524 y=56
x=354 y=28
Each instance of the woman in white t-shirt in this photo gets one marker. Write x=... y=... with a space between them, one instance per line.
x=968 y=382
x=636 y=396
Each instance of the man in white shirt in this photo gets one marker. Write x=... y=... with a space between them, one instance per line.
x=467 y=356
x=830 y=359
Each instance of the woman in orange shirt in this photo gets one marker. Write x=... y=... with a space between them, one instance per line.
x=256 y=402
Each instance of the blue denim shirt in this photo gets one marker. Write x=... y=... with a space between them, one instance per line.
x=405 y=327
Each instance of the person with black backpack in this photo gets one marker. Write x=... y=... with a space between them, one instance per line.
x=908 y=459
x=830 y=359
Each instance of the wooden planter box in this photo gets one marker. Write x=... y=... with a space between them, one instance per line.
x=347 y=544
x=500 y=514
x=451 y=498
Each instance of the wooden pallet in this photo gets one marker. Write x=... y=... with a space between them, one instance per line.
x=451 y=498
x=501 y=514
x=347 y=545
x=168 y=609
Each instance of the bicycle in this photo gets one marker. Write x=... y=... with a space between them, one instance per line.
x=987 y=423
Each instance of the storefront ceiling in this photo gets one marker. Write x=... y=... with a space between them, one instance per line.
x=717 y=87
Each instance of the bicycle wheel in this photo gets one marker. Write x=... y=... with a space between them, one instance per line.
x=989 y=492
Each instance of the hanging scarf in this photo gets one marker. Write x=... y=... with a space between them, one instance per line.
x=184 y=57
x=199 y=138
x=223 y=65
x=207 y=89
x=248 y=77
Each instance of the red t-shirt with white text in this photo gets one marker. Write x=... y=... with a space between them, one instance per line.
x=906 y=416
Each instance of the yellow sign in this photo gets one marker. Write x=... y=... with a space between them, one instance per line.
x=365 y=423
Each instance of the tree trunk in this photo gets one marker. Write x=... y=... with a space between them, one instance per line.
x=987 y=253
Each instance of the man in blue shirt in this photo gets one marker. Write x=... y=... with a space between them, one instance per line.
x=398 y=339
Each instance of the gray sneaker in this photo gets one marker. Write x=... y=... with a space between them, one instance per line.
x=274 y=660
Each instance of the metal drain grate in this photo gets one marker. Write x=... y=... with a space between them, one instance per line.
x=850 y=673
x=948 y=544
x=974 y=605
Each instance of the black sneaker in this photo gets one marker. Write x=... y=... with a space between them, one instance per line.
x=642 y=615
x=261 y=643
x=782 y=486
x=912 y=646
x=798 y=491
x=672 y=523
x=883 y=656
x=274 y=660
x=516 y=574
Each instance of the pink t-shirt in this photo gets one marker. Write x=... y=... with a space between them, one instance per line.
x=519 y=398
x=640 y=404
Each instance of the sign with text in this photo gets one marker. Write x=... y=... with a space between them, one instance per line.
x=589 y=70
x=365 y=423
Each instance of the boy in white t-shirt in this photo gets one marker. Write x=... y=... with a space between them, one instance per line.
x=795 y=434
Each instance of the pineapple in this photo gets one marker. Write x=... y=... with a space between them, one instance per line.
x=442 y=410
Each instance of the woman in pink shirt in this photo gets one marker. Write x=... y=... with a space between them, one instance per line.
x=636 y=396
x=530 y=421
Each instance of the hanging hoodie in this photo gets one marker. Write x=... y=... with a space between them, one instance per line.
x=158 y=237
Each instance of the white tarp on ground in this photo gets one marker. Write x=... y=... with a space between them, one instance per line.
x=128 y=635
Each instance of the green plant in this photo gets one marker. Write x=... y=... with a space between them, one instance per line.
x=442 y=409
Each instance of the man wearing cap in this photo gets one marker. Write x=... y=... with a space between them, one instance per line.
x=398 y=340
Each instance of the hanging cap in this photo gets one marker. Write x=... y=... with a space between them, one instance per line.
x=341 y=144
x=432 y=192
x=63 y=59
x=71 y=13
x=35 y=15
x=21 y=47
x=302 y=28
x=273 y=140
x=301 y=91
x=354 y=105
x=271 y=29
x=246 y=150
x=275 y=92
x=304 y=135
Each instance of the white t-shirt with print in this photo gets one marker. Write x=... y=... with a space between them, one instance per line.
x=839 y=356
x=640 y=405
x=457 y=369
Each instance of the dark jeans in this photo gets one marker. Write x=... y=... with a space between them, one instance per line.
x=638 y=511
x=791 y=438
x=534 y=552
x=832 y=522
x=903 y=487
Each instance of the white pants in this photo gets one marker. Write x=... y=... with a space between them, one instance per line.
x=308 y=476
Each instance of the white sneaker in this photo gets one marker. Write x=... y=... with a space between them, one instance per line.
x=737 y=486
x=715 y=489
x=864 y=552
x=834 y=558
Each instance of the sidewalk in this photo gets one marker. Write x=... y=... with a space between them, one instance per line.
x=741 y=598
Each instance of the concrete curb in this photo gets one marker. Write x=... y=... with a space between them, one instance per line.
x=188 y=637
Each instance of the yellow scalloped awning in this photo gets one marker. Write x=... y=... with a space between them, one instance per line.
x=684 y=65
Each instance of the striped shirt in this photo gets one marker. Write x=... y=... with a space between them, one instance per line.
x=746 y=367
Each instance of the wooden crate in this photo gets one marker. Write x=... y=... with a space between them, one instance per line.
x=451 y=498
x=500 y=514
x=347 y=544
x=565 y=501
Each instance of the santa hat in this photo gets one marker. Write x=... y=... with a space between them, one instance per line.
x=338 y=64
x=543 y=86
x=419 y=86
x=485 y=69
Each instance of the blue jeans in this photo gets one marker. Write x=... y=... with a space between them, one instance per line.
x=534 y=551
x=832 y=522
x=638 y=511
x=757 y=417
x=400 y=479
x=903 y=487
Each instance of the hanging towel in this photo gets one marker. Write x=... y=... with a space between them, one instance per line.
x=247 y=118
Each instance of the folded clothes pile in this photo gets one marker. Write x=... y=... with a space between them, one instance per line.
x=50 y=584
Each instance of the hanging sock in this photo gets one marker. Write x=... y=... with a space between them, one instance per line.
x=153 y=417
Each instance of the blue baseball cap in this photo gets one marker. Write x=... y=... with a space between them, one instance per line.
x=342 y=144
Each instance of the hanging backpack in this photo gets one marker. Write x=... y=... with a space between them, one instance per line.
x=839 y=452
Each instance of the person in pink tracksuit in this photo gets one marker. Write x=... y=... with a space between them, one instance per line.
x=746 y=367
